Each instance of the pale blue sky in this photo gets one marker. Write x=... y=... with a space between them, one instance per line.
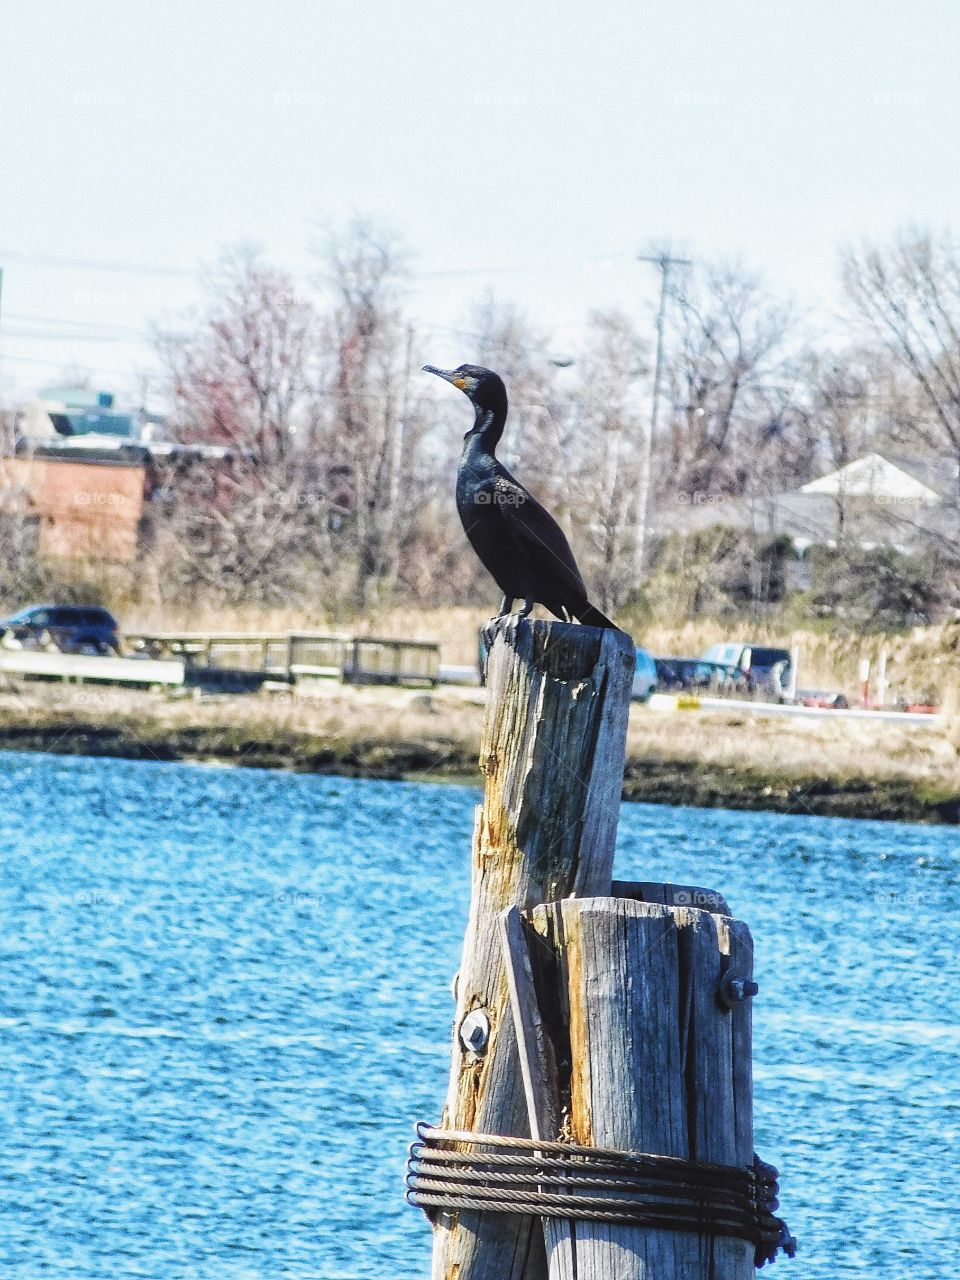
x=557 y=138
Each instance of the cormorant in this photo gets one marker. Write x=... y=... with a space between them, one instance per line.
x=517 y=539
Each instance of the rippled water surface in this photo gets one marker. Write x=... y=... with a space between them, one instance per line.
x=225 y=1000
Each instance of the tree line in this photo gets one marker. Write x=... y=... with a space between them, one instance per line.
x=335 y=484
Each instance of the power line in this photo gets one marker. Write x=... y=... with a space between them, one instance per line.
x=155 y=269
x=91 y=264
x=79 y=324
x=51 y=335
x=456 y=272
x=64 y=364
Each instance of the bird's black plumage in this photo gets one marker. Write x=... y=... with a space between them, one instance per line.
x=517 y=539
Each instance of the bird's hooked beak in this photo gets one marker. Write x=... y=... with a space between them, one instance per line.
x=452 y=376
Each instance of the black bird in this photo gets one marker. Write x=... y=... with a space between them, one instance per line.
x=517 y=539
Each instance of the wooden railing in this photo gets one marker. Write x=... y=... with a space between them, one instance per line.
x=298 y=654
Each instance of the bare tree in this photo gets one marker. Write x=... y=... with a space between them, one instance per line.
x=21 y=571
x=373 y=412
x=841 y=415
x=246 y=377
x=607 y=456
x=729 y=376
x=908 y=295
x=244 y=514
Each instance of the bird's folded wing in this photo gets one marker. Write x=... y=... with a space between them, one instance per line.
x=538 y=536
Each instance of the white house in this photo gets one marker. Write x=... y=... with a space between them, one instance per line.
x=874 y=478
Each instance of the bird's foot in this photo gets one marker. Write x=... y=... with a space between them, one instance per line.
x=488 y=631
x=492 y=625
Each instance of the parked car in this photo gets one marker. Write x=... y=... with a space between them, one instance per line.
x=67 y=628
x=644 y=676
x=765 y=668
x=680 y=675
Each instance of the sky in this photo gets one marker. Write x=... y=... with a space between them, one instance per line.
x=529 y=149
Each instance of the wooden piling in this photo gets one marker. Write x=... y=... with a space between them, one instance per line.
x=552 y=754
x=658 y=1062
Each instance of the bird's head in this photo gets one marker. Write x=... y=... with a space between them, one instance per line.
x=482 y=387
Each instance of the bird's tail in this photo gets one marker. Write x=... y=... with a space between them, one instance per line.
x=591 y=617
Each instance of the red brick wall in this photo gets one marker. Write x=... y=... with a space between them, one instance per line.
x=87 y=510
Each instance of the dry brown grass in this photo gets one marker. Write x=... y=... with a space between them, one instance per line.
x=836 y=748
x=341 y=715
x=446 y=724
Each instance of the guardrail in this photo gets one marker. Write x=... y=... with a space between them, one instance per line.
x=298 y=655
x=79 y=667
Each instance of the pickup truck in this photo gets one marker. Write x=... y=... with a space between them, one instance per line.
x=765 y=669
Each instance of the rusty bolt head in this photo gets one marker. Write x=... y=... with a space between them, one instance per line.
x=735 y=990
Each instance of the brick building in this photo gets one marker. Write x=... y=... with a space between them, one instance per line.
x=87 y=507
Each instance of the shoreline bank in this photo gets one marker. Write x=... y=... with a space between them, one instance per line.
x=651 y=776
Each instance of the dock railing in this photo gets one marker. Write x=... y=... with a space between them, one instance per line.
x=298 y=655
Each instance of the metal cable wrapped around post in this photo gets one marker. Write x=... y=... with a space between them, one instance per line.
x=592 y=1184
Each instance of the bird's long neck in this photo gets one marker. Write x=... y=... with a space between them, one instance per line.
x=487 y=429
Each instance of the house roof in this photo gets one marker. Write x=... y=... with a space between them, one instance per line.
x=882 y=504
x=872 y=476
x=938 y=473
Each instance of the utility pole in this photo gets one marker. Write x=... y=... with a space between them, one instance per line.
x=664 y=261
x=4 y=442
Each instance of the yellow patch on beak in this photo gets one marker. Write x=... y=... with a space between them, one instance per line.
x=460 y=383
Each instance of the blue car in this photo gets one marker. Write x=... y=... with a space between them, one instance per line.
x=644 y=676
x=63 y=628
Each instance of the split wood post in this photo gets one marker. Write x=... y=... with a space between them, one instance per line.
x=552 y=754
x=657 y=1063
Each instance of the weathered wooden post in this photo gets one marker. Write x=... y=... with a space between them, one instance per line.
x=657 y=1017
x=600 y=1095
x=551 y=753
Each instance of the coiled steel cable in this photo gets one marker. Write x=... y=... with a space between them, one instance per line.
x=450 y=1169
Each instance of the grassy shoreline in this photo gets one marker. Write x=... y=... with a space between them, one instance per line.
x=728 y=759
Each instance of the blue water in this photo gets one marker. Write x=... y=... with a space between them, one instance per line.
x=225 y=1001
